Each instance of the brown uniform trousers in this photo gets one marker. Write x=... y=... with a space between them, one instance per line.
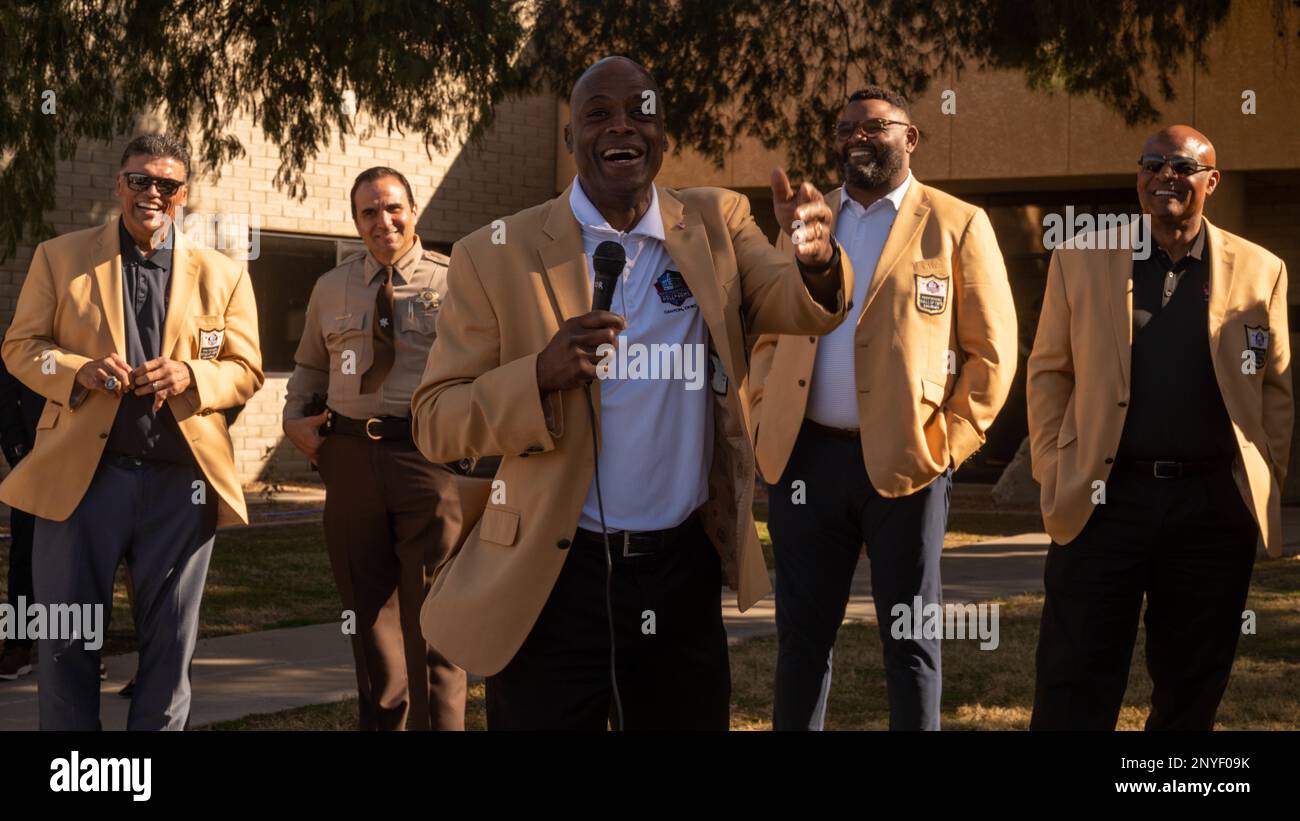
x=390 y=517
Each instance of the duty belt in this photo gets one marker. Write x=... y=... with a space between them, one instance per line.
x=375 y=427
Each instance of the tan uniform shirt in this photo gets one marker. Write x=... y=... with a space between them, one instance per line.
x=337 y=345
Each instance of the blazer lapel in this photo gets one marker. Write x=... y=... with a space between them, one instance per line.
x=108 y=280
x=1119 y=282
x=183 y=278
x=564 y=262
x=1222 y=256
x=687 y=243
x=911 y=216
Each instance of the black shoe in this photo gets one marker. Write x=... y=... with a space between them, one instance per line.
x=128 y=690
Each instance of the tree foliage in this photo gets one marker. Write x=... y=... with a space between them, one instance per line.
x=774 y=70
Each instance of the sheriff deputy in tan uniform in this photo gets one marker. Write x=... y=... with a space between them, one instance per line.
x=390 y=515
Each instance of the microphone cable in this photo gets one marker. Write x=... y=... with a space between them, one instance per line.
x=609 y=562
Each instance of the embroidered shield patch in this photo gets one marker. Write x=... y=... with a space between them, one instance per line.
x=1257 y=342
x=931 y=294
x=210 y=343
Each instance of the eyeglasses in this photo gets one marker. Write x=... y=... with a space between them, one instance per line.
x=847 y=128
x=141 y=182
x=1182 y=166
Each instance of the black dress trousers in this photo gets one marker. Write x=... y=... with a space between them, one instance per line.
x=1188 y=546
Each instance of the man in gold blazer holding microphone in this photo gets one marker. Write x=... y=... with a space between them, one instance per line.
x=525 y=600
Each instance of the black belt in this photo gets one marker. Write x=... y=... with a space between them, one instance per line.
x=838 y=433
x=630 y=544
x=1167 y=469
x=376 y=427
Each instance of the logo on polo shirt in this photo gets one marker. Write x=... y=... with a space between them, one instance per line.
x=672 y=288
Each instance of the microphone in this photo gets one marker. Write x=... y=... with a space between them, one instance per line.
x=609 y=261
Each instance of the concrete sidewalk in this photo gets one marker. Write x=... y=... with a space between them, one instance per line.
x=277 y=670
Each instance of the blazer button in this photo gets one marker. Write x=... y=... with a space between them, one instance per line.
x=1123 y=404
x=802 y=383
x=812 y=339
x=103 y=436
x=1109 y=461
x=563 y=544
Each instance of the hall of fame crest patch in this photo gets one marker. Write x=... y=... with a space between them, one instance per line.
x=1257 y=342
x=210 y=342
x=931 y=294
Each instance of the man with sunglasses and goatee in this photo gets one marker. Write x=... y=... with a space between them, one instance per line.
x=138 y=338
x=859 y=431
x=1160 y=413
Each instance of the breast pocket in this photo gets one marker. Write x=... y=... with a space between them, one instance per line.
x=419 y=323
x=351 y=349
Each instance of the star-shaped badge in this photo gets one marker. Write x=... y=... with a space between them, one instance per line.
x=383 y=322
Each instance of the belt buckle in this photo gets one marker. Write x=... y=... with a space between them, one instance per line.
x=627 y=544
x=1167 y=470
x=375 y=437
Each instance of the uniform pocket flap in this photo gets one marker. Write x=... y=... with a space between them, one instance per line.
x=347 y=323
x=499 y=526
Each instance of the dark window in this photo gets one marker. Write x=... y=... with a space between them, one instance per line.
x=283 y=275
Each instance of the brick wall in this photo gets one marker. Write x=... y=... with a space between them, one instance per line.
x=458 y=191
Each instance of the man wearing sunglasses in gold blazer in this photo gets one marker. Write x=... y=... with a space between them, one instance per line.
x=138 y=339
x=1160 y=414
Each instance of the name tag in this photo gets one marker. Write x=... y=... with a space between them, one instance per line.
x=210 y=342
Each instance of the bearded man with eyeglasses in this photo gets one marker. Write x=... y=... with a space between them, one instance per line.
x=861 y=429
x=1160 y=415
x=138 y=338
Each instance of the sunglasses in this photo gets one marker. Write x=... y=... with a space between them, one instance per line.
x=845 y=129
x=1182 y=166
x=137 y=181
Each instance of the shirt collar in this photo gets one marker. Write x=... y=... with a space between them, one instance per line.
x=404 y=264
x=1197 y=249
x=651 y=224
x=894 y=197
x=132 y=255
x=1198 y=245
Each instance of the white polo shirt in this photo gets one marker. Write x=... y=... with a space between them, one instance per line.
x=861 y=233
x=657 y=423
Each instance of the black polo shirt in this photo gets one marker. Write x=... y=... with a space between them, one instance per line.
x=1176 y=409
x=137 y=431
